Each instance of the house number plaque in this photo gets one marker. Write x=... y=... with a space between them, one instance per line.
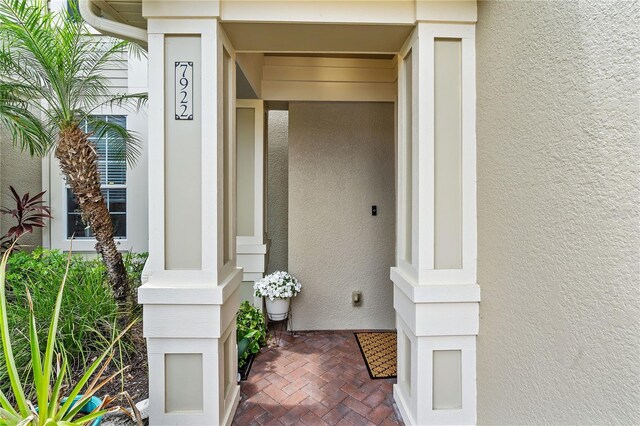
x=184 y=90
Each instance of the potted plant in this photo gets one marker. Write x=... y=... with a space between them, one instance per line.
x=277 y=288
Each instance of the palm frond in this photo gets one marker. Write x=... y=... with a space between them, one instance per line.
x=27 y=130
x=56 y=67
x=125 y=144
x=29 y=31
x=98 y=57
x=126 y=101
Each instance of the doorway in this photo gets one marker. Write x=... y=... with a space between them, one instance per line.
x=331 y=211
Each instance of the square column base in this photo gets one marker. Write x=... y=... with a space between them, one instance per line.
x=437 y=328
x=190 y=328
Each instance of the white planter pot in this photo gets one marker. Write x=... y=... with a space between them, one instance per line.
x=277 y=309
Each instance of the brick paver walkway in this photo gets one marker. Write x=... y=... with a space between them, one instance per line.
x=314 y=379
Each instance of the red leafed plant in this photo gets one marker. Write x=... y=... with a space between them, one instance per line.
x=29 y=212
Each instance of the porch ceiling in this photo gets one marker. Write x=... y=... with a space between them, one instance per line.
x=281 y=37
x=335 y=38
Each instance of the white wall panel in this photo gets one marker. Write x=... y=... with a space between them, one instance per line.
x=182 y=174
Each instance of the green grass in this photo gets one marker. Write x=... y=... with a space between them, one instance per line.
x=90 y=317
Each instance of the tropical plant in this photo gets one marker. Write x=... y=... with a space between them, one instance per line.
x=49 y=408
x=134 y=264
x=278 y=285
x=89 y=319
x=53 y=77
x=29 y=212
x=251 y=332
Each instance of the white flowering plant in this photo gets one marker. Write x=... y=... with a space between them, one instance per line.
x=278 y=285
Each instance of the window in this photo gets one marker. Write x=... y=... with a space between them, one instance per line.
x=113 y=178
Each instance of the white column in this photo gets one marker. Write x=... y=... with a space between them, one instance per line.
x=190 y=293
x=250 y=241
x=435 y=293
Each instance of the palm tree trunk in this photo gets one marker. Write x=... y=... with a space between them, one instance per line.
x=79 y=163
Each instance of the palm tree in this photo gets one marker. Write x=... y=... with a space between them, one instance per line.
x=52 y=78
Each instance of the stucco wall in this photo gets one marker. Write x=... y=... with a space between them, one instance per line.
x=278 y=190
x=341 y=162
x=558 y=212
x=25 y=174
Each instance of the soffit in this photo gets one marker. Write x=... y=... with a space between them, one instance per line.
x=283 y=37
x=125 y=11
x=332 y=38
x=386 y=18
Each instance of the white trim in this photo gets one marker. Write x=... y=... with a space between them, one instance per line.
x=446 y=11
x=425 y=185
x=437 y=309
x=332 y=91
x=184 y=9
x=438 y=293
x=345 y=11
x=209 y=151
x=384 y=74
x=401 y=197
x=469 y=179
x=188 y=288
x=185 y=312
x=252 y=263
x=425 y=412
x=258 y=176
x=291 y=78
x=182 y=26
x=229 y=401
x=157 y=348
x=156 y=261
x=415 y=405
x=403 y=402
x=322 y=62
x=136 y=187
x=252 y=276
x=426 y=273
x=224 y=45
x=251 y=249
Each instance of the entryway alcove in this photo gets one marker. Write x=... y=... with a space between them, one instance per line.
x=416 y=60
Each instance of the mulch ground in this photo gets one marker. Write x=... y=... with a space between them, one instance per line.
x=135 y=380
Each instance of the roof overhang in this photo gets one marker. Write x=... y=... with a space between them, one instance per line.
x=339 y=26
x=118 y=18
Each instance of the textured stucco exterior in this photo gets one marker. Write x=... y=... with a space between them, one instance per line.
x=25 y=174
x=341 y=162
x=278 y=190
x=558 y=212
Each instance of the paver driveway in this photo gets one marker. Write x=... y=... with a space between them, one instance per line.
x=314 y=378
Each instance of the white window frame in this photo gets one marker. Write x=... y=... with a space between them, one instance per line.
x=137 y=196
x=103 y=186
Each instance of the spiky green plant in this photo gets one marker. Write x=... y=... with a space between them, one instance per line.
x=49 y=408
x=89 y=315
x=53 y=76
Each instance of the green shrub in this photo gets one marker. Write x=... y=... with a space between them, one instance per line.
x=251 y=332
x=47 y=379
x=90 y=317
x=134 y=263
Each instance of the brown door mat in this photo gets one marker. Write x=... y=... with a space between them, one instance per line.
x=378 y=349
